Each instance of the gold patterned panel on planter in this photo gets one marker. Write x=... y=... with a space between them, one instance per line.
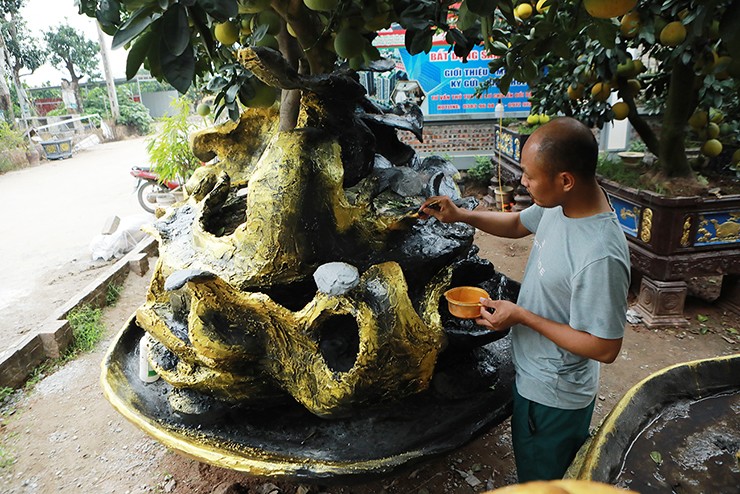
x=647 y=225
x=718 y=228
x=505 y=143
x=686 y=231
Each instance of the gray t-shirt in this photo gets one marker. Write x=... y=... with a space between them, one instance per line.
x=577 y=274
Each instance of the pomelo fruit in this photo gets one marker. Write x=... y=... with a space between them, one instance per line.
x=203 y=109
x=523 y=10
x=321 y=5
x=264 y=95
x=605 y=9
x=227 y=33
x=699 y=119
x=349 y=43
x=621 y=110
x=711 y=148
x=673 y=34
x=629 y=26
x=712 y=130
x=601 y=91
x=575 y=91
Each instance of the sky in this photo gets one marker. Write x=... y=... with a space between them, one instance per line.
x=41 y=15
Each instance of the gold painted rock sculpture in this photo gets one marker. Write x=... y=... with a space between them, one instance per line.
x=237 y=328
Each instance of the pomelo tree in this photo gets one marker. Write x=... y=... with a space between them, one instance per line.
x=573 y=53
x=576 y=54
x=182 y=41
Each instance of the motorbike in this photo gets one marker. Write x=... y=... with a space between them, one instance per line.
x=150 y=189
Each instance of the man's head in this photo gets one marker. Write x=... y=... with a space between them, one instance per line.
x=566 y=145
x=556 y=158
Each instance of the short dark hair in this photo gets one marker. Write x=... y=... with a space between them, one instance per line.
x=568 y=145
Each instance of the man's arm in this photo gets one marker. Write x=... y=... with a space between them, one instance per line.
x=581 y=343
x=495 y=223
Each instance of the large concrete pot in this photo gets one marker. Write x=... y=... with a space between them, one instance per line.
x=656 y=438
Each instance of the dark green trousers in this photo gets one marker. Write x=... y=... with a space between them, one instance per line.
x=546 y=439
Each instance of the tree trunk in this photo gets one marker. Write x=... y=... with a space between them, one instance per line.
x=640 y=125
x=672 y=156
x=22 y=96
x=6 y=103
x=78 y=95
x=290 y=100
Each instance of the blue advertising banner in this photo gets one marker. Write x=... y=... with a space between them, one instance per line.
x=448 y=84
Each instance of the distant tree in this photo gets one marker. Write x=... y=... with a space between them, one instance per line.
x=7 y=8
x=22 y=52
x=71 y=51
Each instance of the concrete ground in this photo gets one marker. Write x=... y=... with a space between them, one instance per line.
x=50 y=213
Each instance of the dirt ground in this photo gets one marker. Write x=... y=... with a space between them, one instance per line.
x=63 y=436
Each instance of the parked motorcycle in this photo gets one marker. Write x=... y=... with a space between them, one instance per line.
x=150 y=190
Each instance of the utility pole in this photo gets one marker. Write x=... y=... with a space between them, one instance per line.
x=109 y=82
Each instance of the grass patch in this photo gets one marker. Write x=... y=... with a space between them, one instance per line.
x=5 y=393
x=87 y=328
x=6 y=458
x=113 y=293
x=612 y=168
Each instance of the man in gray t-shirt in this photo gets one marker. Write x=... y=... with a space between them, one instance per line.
x=570 y=313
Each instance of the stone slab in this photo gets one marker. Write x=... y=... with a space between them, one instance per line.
x=139 y=263
x=111 y=225
x=56 y=336
x=19 y=360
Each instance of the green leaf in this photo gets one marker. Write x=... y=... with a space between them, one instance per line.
x=108 y=13
x=137 y=54
x=231 y=93
x=87 y=7
x=465 y=18
x=418 y=41
x=481 y=7
x=731 y=330
x=176 y=29
x=656 y=457
x=217 y=84
x=701 y=318
x=221 y=10
x=499 y=48
x=505 y=81
x=134 y=25
x=178 y=70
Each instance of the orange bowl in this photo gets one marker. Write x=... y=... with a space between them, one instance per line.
x=464 y=301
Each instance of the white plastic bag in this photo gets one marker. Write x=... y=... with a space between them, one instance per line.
x=120 y=242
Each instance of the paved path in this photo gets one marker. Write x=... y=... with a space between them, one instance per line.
x=49 y=214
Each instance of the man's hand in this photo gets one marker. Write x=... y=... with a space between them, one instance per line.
x=442 y=208
x=504 y=314
x=507 y=314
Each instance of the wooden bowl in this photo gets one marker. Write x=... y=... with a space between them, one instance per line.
x=464 y=301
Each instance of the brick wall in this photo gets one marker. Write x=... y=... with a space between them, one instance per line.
x=450 y=137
